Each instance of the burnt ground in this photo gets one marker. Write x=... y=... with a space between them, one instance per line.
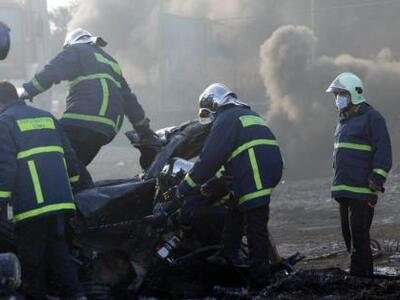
x=304 y=218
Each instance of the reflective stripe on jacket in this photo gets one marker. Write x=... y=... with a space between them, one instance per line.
x=362 y=147
x=35 y=160
x=99 y=95
x=241 y=142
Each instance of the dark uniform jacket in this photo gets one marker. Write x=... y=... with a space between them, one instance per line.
x=98 y=96
x=241 y=142
x=362 y=149
x=35 y=160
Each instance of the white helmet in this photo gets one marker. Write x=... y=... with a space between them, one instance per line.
x=351 y=83
x=81 y=36
x=218 y=95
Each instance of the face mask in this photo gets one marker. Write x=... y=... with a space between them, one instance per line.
x=206 y=116
x=341 y=102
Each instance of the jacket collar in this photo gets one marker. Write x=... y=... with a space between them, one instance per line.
x=11 y=104
x=354 y=111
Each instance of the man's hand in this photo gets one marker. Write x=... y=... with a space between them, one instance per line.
x=375 y=183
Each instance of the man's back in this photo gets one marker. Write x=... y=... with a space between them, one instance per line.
x=32 y=164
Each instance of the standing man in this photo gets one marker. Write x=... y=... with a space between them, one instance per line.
x=362 y=160
x=37 y=165
x=241 y=142
x=99 y=96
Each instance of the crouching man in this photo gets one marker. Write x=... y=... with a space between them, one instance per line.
x=362 y=160
x=37 y=165
x=241 y=142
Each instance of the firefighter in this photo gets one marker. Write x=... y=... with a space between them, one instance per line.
x=4 y=40
x=241 y=142
x=37 y=165
x=362 y=160
x=99 y=95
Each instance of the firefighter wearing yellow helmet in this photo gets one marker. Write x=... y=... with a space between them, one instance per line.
x=362 y=160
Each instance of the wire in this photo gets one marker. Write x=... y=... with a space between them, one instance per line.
x=364 y=4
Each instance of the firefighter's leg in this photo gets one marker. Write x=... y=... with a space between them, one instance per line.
x=344 y=220
x=361 y=215
x=31 y=244
x=256 y=220
x=60 y=261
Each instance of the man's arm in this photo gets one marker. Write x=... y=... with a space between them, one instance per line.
x=65 y=66
x=216 y=151
x=8 y=163
x=132 y=108
x=382 y=149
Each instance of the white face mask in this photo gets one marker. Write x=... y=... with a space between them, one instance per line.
x=206 y=116
x=341 y=102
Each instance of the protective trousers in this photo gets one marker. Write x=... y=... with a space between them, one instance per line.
x=86 y=142
x=255 y=221
x=41 y=248
x=356 y=218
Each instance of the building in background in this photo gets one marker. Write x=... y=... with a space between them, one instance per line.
x=30 y=36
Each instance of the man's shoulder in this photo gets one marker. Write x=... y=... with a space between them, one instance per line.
x=373 y=114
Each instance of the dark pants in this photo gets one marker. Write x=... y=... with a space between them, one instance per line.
x=43 y=251
x=255 y=221
x=356 y=218
x=86 y=142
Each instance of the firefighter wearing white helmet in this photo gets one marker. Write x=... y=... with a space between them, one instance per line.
x=241 y=142
x=362 y=160
x=99 y=96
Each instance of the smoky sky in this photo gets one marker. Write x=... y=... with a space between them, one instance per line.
x=279 y=56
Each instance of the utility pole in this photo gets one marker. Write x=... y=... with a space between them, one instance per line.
x=312 y=25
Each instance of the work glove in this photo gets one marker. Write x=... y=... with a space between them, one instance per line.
x=146 y=134
x=375 y=183
x=143 y=128
x=25 y=96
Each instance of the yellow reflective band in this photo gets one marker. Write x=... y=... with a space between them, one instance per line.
x=37 y=85
x=35 y=181
x=354 y=189
x=251 y=120
x=220 y=172
x=254 y=166
x=4 y=194
x=35 y=124
x=94 y=76
x=106 y=95
x=252 y=144
x=39 y=150
x=42 y=210
x=381 y=172
x=90 y=118
x=118 y=123
x=74 y=179
x=190 y=181
x=221 y=200
x=115 y=66
x=254 y=195
x=353 y=146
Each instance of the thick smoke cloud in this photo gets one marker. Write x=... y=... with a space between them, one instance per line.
x=171 y=50
x=301 y=113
